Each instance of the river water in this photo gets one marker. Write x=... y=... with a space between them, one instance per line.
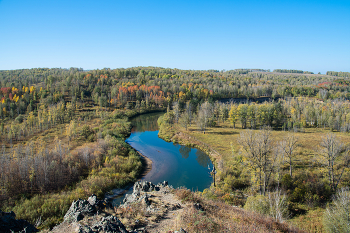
x=181 y=166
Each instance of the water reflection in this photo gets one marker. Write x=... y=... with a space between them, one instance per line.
x=185 y=151
x=202 y=158
x=147 y=122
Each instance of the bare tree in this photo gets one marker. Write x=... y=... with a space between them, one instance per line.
x=188 y=111
x=184 y=120
x=333 y=154
x=257 y=148
x=205 y=112
x=288 y=146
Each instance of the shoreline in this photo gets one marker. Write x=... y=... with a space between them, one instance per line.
x=146 y=168
x=147 y=165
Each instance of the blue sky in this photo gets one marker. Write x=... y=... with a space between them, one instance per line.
x=305 y=35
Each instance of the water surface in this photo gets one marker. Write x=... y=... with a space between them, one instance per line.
x=179 y=165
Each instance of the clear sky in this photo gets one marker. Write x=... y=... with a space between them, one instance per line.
x=306 y=35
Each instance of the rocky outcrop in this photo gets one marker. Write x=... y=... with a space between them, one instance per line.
x=106 y=224
x=8 y=223
x=81 y=208
x=87 y=216
x=139 y=196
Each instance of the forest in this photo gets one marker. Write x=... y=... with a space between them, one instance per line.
x=62 y=134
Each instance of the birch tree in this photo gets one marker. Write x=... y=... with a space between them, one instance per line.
x=288 y=146
x=258 y=151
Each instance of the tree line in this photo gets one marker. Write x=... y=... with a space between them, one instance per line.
x=21 y=91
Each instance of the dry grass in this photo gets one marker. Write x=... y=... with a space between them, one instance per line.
x=215 y=216
x=310 y=222
x=221 y=137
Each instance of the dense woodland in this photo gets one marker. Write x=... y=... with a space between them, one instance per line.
x=62 y=127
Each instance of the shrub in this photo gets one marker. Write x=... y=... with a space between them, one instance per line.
x=336 y=217
x=257 y=204
x=87 y=133
x=274 y=205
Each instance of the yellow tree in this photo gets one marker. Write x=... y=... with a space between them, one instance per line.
x=233 y=116
x=70 y=131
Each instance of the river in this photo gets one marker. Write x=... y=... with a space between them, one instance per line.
x=181 y=166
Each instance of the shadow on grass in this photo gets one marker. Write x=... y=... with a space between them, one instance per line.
x=220 y=133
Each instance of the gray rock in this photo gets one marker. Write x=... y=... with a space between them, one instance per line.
x=93 y=200
x=136 y=197
x=146 y=186
x=81 y=208
x=109 y=224
x=78 y=210
x=85 y=229
x=142 y=186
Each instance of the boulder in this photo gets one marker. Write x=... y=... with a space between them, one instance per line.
x=8 y=223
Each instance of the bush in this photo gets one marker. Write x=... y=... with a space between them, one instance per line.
x=274 y=205
x=336 y=217
x=87 y=133
x=19 y=119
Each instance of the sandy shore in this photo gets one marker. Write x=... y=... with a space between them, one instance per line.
x=147 y=165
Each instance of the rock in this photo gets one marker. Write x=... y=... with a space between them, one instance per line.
x=90 y=207
x=180 y=231
x=85 y=229
x=136 y=197
x=8 y=223
x=175 y=206
x=78 y=210
x=93 y=200
x=198 y=206
x=109 y=224
x=142 y=186
x=164 y=183
x=146 y=186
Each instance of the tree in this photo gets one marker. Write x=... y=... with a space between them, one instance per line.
x=257 y=149
x=288 y=146
x=333 y=154
x=233 y=115
x=176 y=110
x=204 y=114
x=242 y=113
x=70 y=131
x=223 y=112
x=184 y=120
x=188 y=111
